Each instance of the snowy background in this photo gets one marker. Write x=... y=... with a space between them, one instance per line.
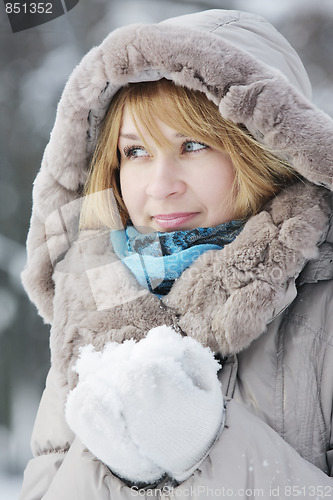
x=34 y=66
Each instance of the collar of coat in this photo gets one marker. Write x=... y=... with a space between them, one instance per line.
x=226 y=298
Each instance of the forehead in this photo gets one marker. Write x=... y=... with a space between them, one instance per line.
x=150 y=130
x=129 y=123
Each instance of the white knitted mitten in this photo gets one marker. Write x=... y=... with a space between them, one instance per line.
x=150 y=407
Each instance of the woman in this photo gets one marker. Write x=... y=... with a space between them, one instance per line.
x=206 y=223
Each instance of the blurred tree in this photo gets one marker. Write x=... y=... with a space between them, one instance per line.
x=310 y=31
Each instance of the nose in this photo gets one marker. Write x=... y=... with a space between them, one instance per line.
x=165 y=178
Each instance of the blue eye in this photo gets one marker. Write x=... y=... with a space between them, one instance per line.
x=133 y=152
x=192 y=146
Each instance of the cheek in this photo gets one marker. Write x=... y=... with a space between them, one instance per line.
x=131 y=191
x=126 y=189
x=123 y=183
x=218 y=183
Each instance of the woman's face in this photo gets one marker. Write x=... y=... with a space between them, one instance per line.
x=178 y=188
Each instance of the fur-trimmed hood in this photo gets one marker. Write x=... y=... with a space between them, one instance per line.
x=238 y=60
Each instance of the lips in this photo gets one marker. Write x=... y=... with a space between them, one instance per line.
x=174 y=220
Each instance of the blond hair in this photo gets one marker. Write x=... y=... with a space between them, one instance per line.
x=259 y=174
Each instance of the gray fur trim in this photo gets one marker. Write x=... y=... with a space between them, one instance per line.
x=98 y=300
x=226 y=298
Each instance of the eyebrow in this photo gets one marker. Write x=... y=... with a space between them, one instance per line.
x=134 y=137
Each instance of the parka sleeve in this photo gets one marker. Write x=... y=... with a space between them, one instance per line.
x=51 y=439
x=330 y=451
x=250 y=460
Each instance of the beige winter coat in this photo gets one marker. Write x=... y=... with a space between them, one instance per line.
x=264 y=302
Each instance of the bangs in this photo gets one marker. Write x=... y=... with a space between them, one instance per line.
x=195 y=117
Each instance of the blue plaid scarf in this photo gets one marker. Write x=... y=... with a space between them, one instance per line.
x=158 y=259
